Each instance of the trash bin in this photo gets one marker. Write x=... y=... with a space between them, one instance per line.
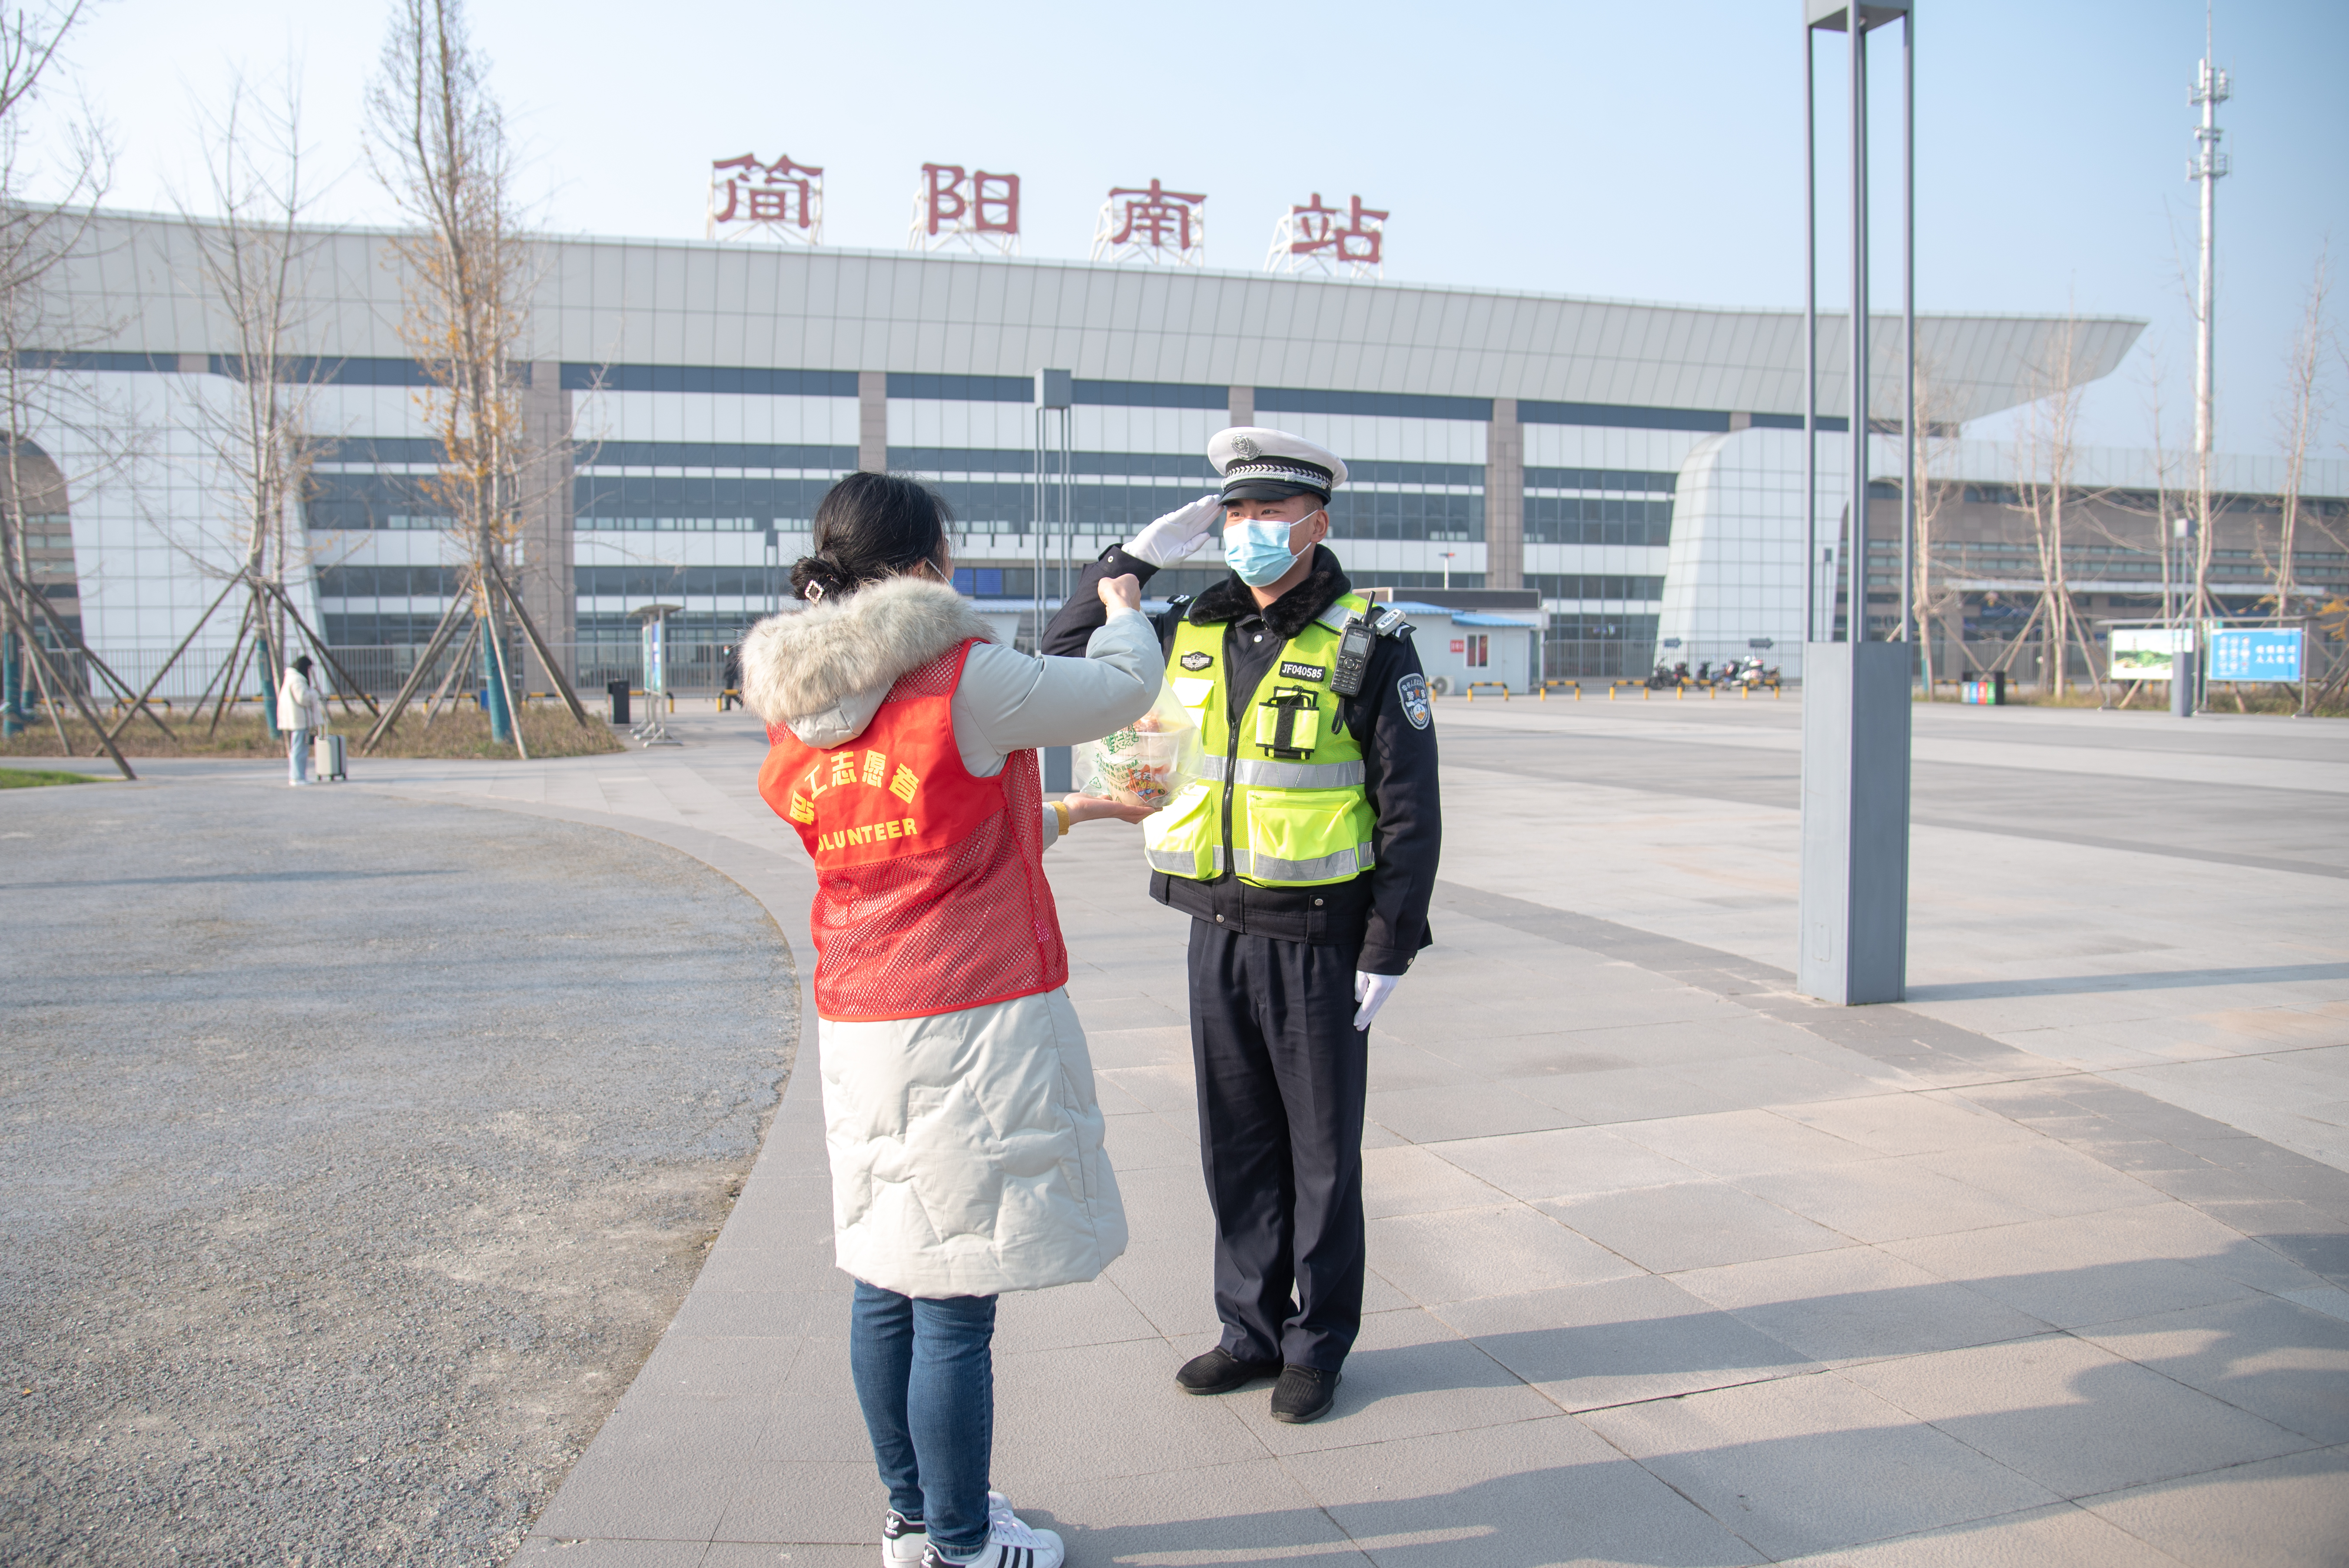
x=618 y=692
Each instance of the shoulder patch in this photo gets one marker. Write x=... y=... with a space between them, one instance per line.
x=1195 y=660
x=1295 y=671
x=1412 y=690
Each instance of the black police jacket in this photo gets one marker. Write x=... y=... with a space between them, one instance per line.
x=1384 y=910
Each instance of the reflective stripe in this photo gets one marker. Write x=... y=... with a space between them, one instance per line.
x=1183 y=862
x=1285 y=775
x=1323 y=868
x=1334 y=617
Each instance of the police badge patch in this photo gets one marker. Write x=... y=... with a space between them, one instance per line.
x=1196 y=661
x=1412 y=689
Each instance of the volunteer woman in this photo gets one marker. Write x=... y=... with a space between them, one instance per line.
x=959 y=1117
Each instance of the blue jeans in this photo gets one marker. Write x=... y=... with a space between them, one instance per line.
x=297 y=757
x=926 y=1377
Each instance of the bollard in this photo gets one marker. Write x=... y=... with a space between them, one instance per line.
x=1610 y=691
x=1744 y=692
x=1679 y=694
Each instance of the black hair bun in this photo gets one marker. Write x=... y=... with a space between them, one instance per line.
x=822 y=573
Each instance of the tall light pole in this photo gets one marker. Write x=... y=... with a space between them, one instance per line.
x=1853 y=940
x=2206 y=167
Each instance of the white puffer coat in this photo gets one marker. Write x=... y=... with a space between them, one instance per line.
x=965 y=1148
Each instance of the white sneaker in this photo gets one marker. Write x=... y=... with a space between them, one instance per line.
x=1011 y=1543
x=903 y=1542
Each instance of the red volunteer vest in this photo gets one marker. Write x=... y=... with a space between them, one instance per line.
x=930 y=889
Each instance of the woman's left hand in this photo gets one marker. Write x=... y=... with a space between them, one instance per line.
x=1088 y=807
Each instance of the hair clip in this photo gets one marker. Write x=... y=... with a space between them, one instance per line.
x=813 y=593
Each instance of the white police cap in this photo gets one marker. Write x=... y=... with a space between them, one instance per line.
x=1259 y=464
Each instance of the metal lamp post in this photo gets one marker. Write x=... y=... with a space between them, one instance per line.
x=1853 y=942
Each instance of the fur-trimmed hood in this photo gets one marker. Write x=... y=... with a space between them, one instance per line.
x=1229 y=600
x=824 y=671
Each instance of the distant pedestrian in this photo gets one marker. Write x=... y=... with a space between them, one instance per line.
x=302 y=716
x=959 y=1117
x=729 y=678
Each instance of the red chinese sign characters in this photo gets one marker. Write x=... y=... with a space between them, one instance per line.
x=990 y=206
x=1313 y=229
x=1153 y=225
x=781 y=196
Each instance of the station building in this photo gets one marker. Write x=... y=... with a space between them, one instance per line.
x=1633 y=472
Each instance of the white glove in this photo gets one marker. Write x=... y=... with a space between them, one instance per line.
x=1371 y=991
x=1178 y=533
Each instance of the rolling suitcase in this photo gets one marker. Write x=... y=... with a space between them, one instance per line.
x=326 y=759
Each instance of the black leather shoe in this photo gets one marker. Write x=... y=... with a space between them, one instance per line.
x=1219 y=1372
x=1304 y=1394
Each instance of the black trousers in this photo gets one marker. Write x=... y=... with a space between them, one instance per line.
x=1281 y=1071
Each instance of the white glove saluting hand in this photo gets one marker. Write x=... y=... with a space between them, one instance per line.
x=1371 y=991
x=1178 y=533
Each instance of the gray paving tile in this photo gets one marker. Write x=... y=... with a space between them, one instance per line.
x=1638 y=1094
x=1413 y=1180
x=2291 y=1512
x=1618 y=1341
x=2075 y=1417
x=1781 y=1078
x=1908 y=1123
x=692 y=1363
x=760 y=1314
x=1856 y=1304
x=1563 y=1162
x=2274 y=1358
x=798 y=1554
x=619 y=1553
x=644 y=1495
x=814 y=1428
x=838 y=1503
x=1434 y=1114
x=1052 y=1423
x=1498 y=1251
x=1745 y=1143
x=2070 y=1271
x=2064 y=1535
x=1806 y=1464
x=1409 y=1376
x=1885 y=1200
x=2045 y=1176
x=1692 y=1225
x=1252 y=1511
x=1066 y=1316
x=1529 y=1494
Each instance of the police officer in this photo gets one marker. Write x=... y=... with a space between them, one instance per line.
x=1305 y=855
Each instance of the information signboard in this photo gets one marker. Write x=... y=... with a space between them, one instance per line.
x=2255 y=654
x=2145 y=653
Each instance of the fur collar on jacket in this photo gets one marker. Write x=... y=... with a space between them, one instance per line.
x=1230 y=600
x=824 y=671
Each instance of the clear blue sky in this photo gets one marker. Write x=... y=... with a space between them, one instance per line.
x=1640 y=151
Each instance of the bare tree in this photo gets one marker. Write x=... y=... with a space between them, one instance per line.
x=439 y=146
x=2051 y=499
x=38 y=336
x=1928 y=428
x=250 y=253
x=2303 y=417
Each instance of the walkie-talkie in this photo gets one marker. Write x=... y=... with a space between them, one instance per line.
x=1355 y=640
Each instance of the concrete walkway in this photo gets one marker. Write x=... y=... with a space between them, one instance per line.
x=1669 y=1266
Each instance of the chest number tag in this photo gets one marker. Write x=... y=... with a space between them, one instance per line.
x=1289 y=722
x=1303 y=672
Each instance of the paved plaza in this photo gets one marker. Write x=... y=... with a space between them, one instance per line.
x=1669 y=1265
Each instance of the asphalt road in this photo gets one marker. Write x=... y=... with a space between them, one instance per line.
x=352 y=1155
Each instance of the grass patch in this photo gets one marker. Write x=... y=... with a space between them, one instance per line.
x=548 y=731
x=35 y=777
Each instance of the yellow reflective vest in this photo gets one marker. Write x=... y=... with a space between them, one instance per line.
x=1279 y=797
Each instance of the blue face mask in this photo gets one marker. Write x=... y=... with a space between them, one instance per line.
x=1258 y=549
